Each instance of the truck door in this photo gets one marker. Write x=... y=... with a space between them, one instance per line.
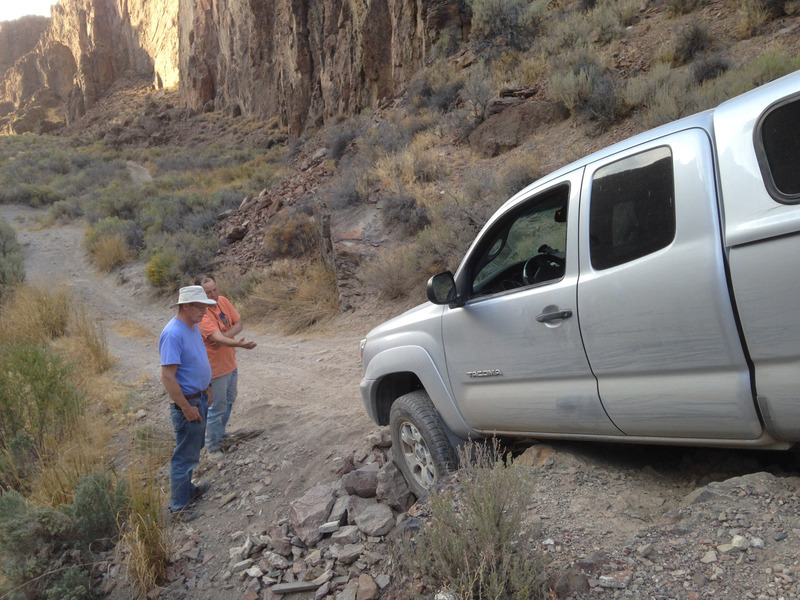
x=514 y=355
x=653 y=300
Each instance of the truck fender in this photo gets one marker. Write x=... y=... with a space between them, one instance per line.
x=416 y=360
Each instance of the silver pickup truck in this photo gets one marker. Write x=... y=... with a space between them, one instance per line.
x=647 y=293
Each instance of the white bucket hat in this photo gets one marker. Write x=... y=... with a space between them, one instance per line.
x=192 y=293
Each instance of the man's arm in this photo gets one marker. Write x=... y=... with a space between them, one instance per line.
x=223 y=340
x=170 y=382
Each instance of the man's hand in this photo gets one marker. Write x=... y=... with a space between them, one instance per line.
x=192 y=414
x=245 y=344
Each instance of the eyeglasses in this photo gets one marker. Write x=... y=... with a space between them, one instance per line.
x=223 y=317
x=202 y=307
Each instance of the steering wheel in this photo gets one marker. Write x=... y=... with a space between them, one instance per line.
x=538 y=263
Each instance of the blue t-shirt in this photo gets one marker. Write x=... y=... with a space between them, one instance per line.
x=182 y=345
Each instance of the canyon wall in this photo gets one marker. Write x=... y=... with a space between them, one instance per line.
x=303 y=62
x=88 y=46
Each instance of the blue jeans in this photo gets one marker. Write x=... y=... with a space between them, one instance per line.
x=225 y=389
x=189 y=437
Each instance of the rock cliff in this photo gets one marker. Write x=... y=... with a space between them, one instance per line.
x=87 y=47
x=303 y=62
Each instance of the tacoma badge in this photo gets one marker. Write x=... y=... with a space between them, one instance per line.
x=485 y=373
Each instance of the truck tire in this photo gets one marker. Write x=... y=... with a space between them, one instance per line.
x=420 y=445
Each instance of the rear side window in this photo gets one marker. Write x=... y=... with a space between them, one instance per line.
x=632 y=210
x=779 y=133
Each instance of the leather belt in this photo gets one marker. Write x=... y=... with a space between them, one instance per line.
x=193 y=396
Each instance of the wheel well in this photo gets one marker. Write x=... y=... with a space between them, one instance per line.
x=390 y=389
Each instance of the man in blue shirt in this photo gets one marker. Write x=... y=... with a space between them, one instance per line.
x=186 y=374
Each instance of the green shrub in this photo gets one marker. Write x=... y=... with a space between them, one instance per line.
x=100 y=504
x=160 y=270
x=45 y=552
x=36 y=395
x=476 y=544
x=12 y=268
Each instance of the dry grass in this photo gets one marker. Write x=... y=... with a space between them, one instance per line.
x=419 y=162
x=145 y=535
x=89 y=336
x=131 y=329
x=109 y=252
x=751 y=17
x=294 y=294
x=394 y=273
x=38 y=312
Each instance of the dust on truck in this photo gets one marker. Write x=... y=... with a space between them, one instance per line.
x=647 y=293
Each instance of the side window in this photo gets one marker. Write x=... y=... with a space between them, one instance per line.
x=632 y=210
x=527 y=247
x=779 y=134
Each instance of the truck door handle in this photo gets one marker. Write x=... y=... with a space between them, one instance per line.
x=552 y=316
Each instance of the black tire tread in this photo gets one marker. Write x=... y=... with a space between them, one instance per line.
x=417 y=408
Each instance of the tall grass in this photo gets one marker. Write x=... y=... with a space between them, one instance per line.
x=62 y=505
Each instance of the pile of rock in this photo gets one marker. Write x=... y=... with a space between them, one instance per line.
x=331 y=541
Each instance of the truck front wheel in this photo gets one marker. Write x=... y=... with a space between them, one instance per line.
x=421 y=448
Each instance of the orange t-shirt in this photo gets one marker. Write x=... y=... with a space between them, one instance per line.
x=219 y=318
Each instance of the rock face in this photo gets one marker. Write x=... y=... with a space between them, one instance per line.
x=87 y=47
x=19 y=37
x=302 y=61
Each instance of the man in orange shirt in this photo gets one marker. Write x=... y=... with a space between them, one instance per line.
x=219 y=327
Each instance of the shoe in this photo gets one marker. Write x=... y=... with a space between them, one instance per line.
x=198 y=491
x=216 y=456
x=185 y=515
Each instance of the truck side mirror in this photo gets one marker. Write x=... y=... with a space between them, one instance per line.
x=442 y=288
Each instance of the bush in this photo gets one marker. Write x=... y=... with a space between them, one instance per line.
x=38 y=312
x=478 y=92
x=396 y=273
x=12 y=268
x=751 y=17
x=110 y=252
x=709 y=67
x=691 y=40
x=37 y=399
x=339 y=139
x=290 y=234
x=342 y=191
x=516 y=22
x=401 y=211
x=36 y=538
x=475 y=544
x=296 y=295
x=682 y=7
x=161 y=269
